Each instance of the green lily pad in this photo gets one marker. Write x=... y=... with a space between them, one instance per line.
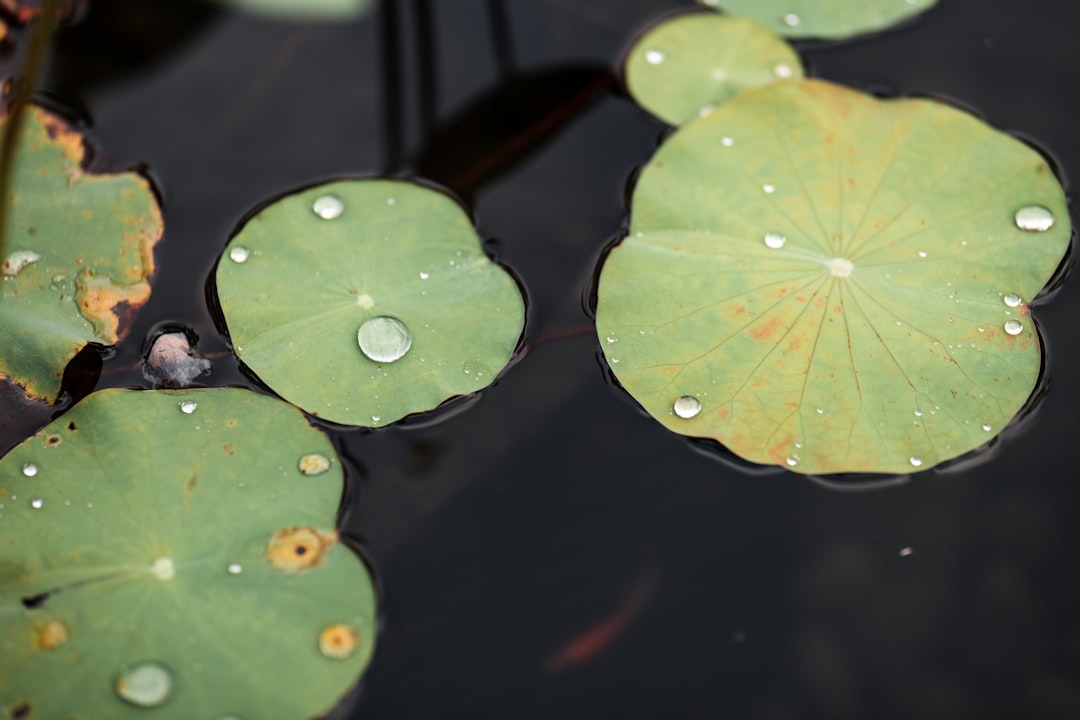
x=686 y=66
x=825 y=18
x=362 y=301
x=177 y=550
x=834 y=283
x=80 y=253
x=309 y=9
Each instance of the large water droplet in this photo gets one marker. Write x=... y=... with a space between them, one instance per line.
x=29 y=469
x=147 y=684
x=1014 y=327
x=37 y=503
x=239 y=254
x=654 y=57
x=314 y=464
x=1034 y=218
x=1013 y=300
x=915 y=461
x=687 y=406
x=792 y=20
x=775 y=240
x=328 y=207
x=384 y=339
x=189 y=406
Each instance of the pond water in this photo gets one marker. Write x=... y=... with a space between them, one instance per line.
x=550 y=551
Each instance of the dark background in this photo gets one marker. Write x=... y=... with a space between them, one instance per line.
x=552 y=505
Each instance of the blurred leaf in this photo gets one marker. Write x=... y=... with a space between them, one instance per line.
x=389 y=263
x=80 y=254
x=833 y=283
x=825 y=18
x=303 y=9
x=686 y=66
x=182 y=559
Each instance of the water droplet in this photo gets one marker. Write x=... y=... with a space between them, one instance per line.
x=328 y=207
x=147 y=684
x=384 y=339
x=188 y=406
x=16 y=261
x=375 y=418
x=614 y=361
x=390 y=201
x=918 y=413
x=1014 y=327
x=611 y=338
x=1013 y=300
x=727 y=142
x=654 y=57
x=840 y=267
x=1034 y=218
x=782 y=70
x=37 y=503
x=987 y=427
x=687 y=406
x=163 y=569
x=915 y=461
x=238 y=254
x=981 y=329
x=314 y=464
x=29 y=469
x=337 y=642
x=769 y=189
x=820 y=411
x=775 y=240
x=792 y=20
x=922 y=253
x=235 y=568
x=792 y=460
x=424 y=276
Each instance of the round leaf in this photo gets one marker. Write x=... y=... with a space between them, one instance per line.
x=686 y=66
x=362 y=301
x=834 y=283
x=150 y=554
x=80 y=253
x=825 y=18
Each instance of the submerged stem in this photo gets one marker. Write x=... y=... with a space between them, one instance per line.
x=26 y=80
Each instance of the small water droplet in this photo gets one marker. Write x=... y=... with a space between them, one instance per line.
x=391 y=201
x=188 y=406
x=1014 y=327
x=384 y=339
x=987 y=427
x=792 y=20
x=1034 y=218
x=29 y=469
x=775 y=240
x=1013 y=300
x=782 y=70
x=239 y=254
x=424 y=276
x=840 y=267
x=768 y=188
x=922 y=253
x=37 y=503
x=375 y=418
x=727 y=142
x=162 y=568
x=328 y=207
x=235 y=568
x=915 y=461
x=654 y=57
x=820 y=411
x=918 y=413
x=314 y=464
x=981 y=328
x=147 y=684
x=792 y=460
x=687 y=406
x=614 y=361
x=611 y=338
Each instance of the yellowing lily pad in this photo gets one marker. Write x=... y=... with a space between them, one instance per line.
x=825 y=18
x=79 y=255
x=174 y=554
x=362 y=301
x=686 y=66
x=833 y=283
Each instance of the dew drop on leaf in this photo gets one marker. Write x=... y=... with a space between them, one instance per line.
x=239 y=254
x=915 y=461
x=384 y=339
x=147 y=684
x=37 y=503
x=30 y=470
x=1014 y=327
x=1034 y=218
x=1012 y=300
x=328 y=207
x=188 y=406
x=775 y=240
x=687 y=406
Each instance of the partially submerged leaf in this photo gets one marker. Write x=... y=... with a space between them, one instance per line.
x=825 y=18
x=363 y=301
x=685 y=66
x=834 y=283
x=80 y=254
x=177 y=550
x=303 y=9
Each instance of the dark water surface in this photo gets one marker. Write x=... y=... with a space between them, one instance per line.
x=553 y=506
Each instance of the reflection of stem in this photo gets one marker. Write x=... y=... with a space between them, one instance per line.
x=41 y=33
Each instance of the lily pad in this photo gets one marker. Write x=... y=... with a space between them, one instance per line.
x=686 y=66
x=307 y=9
x=362 y=301
x=834 y=283
x=825 y=18
x=80 y=254
x=177 y=550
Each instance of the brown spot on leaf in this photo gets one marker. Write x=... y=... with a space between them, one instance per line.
x=110 y=308
x=52 y=635
x=192 y=483
x=337 y=641
x=766 y=330
x=298 y=549
x=229 y=448
x=53 y=440
x=21 y=710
